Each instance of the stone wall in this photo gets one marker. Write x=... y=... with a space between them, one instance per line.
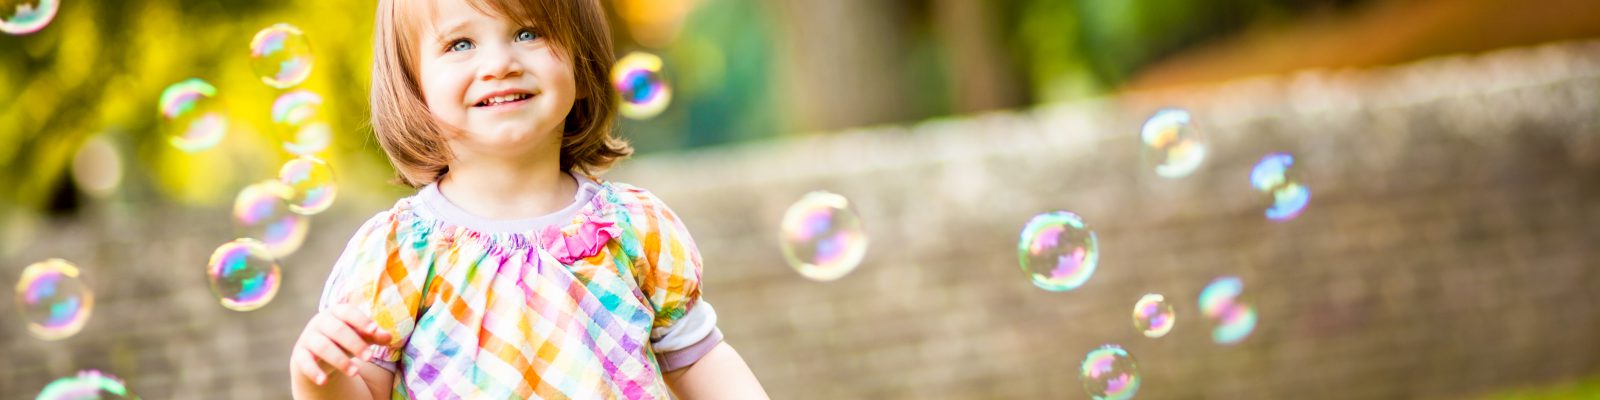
x=1448 y=249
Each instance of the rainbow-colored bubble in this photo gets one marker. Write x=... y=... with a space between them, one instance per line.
x=1172 y=143
x=1275 y=175
x=312 y=182
x=822 y=237
x=1058 y=251
x=1110 y=373
x=53 y=300
x=281 y=56
x=1233 y=318
x=193 y=115
x=262 y=212
x=296 y=115
x=243 y=274
x=28 y=17
x=1153 y=316
x=87 y=385
x=641 y=85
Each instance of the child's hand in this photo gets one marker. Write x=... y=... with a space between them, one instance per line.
x=333 y=340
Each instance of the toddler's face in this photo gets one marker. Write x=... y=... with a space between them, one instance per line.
x=505 y=85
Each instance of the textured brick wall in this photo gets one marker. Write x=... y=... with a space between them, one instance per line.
x=1448 y=249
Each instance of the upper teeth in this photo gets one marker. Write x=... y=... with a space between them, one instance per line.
x=503 y=99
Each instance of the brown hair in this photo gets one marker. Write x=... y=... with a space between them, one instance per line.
x=415 y=141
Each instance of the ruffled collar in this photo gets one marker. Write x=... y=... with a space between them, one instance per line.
x=592 y=224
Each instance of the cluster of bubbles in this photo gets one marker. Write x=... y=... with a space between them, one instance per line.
x=272 y=216
x=1110 y=373
x=1058 y=251
x=193 y=115
x=1172 y=144
x=641 y=85
x=1275 y=175
x=821 y=236
x=88 y=384
x=53 y=299
x=243 y=274
x=1153 y=316
x=281 y=56
x=1233 y=318
x=28 y=16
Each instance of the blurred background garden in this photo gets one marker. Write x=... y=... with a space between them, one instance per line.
x=1453 y=149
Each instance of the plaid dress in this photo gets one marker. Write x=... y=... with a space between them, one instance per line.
x=567 y=312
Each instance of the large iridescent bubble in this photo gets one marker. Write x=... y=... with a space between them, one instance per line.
x=1172 y=144
x=53 y=299
x=1058 y=251
x=192 y=115
x=87 y=385
x=281 y=56
x=1276 y=176
x=641 y=85
x=28 y=16
x=1153 y=316
x=1110 y=373
x=312 y=183
x=262 y=212
x=821 y=236
x=297 y=118
x=243 y=275
x=1232 y=317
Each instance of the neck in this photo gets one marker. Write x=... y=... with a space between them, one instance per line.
x=508 y=188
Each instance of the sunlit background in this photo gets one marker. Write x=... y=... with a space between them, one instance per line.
x=895 y=199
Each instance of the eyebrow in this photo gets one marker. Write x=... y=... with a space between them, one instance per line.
x=450 y=29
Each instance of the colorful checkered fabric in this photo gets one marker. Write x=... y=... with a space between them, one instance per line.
x=563 y=313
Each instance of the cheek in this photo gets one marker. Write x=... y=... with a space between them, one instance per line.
x=439 y=89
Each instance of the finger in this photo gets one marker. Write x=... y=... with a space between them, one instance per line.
x=362 y=324
x=330 y=353
x=308 y=366
x=342 y=335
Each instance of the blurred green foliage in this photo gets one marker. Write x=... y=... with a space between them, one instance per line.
x=100 y=67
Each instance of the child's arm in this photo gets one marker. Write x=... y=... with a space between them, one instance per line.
x=720 y=374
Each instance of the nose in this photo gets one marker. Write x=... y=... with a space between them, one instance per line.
x=499 y=63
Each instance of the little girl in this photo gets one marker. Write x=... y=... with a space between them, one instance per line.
x=512 y=273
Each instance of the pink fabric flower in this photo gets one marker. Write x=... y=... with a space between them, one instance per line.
x=579 y=241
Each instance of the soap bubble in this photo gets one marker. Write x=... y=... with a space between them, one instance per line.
x=54 y=301
x=822 y=237
x=262 y=212
x=1153 y=316
x=297 y=117
x=243 y=274
x=312 y=182
x=641 y=85
x=281 y=56
x=1057 y=251
x=1110 y=373
x=1276 y=176
x=87 y=385
x=28 y=16
x=1233 y=318
x=1172 y=143
x=193 y=115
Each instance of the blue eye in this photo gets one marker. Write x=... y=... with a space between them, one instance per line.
x=525 y=35
x=460 y=45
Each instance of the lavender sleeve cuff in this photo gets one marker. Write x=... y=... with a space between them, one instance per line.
x=676 y=359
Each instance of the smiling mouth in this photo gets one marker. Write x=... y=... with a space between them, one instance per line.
x=505 y=99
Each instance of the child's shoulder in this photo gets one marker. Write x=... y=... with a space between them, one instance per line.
x=633 y=198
